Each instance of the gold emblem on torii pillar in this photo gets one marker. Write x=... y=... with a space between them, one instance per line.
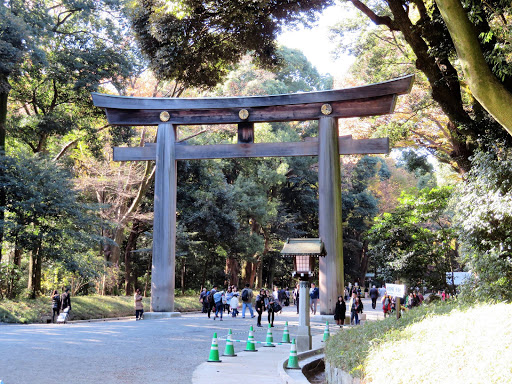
x=326 y=109
x=164 y=116
x=243 y=114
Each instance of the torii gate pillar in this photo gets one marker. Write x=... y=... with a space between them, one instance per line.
x=329 y=214
x=164 y=228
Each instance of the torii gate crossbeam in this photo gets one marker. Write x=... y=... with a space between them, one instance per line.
x=325 y=106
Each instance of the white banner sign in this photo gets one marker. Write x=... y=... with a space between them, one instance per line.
x=395 y=290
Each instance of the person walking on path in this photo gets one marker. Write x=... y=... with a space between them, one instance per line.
x=139 y=307
x=247 y=300
x=260 y=305
x=269 y=304
x=65 y=302
x=203 y=299
x=218 y=297
x=356 y=308
x=210 y=300
x=314 y=295
x=233 y=303
x=374 y=295
x=382 y=291
x=55 y=305
x=296 y=297
x=228 y=297
x=339 y=312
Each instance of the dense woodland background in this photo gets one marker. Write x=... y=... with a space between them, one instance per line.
x=70 y=216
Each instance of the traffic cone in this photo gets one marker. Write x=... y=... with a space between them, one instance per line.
x=270 y=339
x=229 y=350
x=286 y=334
x=214 y=350
x=250 y=347
x=293 y=361
x=326 y=332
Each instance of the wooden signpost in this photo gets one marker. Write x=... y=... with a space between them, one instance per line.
x=325 y=106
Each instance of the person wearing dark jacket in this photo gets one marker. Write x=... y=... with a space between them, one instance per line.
x=65 y=302
x=339 y=312
x=374 y=295
x=269 y=304
x=55 y=305
x=355 y=310
x=260 y=305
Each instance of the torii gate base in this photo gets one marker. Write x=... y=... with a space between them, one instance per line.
x=326 y=106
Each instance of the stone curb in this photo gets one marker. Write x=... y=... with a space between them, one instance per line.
x=289 y=376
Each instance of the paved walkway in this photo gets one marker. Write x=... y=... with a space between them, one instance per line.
x=128 y=351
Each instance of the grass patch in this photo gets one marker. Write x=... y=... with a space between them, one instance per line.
x=439 y=343
x=83 y=308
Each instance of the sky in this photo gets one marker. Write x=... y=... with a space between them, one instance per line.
x=316 y=44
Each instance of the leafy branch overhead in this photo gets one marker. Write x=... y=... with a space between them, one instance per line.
x=196 y=42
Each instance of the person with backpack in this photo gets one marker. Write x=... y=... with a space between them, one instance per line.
x=247 y=301
x=219 y=298
x=386 y=305
x=210 y=300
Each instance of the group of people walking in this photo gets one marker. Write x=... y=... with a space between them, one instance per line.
x=60 y=303
x=221 y=301
x=355 y=306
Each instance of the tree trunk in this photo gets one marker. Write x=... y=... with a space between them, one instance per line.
x=34 y=272
x=183 y=269
x=131 y=244
x=364 y=262
x=17 y=256
x=4 y=94
x=115 y=254
x=484 y=85
x=231 y=270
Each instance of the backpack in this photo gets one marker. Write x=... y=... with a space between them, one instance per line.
x=245 y=295
x=210 y=297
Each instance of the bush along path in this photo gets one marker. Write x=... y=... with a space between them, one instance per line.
x=83 y=308
x=466 y=341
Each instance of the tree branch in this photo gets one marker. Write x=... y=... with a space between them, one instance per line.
x=379 y=20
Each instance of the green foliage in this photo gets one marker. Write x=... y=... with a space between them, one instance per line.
x=44 y=217
x=10 y=273
x=484 y=222
x=196 y=43
x=416 y=242
x=64 y=55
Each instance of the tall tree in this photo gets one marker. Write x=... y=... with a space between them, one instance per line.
x=484 y=84
x=196 y=42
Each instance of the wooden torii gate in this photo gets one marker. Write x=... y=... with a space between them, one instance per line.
x=325 y=106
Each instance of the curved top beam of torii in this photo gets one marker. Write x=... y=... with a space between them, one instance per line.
x=368 y=100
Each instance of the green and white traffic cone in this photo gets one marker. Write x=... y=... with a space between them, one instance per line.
x=269 y=342
x=229 y=350
x=293 y=361
x=286 y=334
x=250 y=347
x=326 y=332
x=214 y=350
